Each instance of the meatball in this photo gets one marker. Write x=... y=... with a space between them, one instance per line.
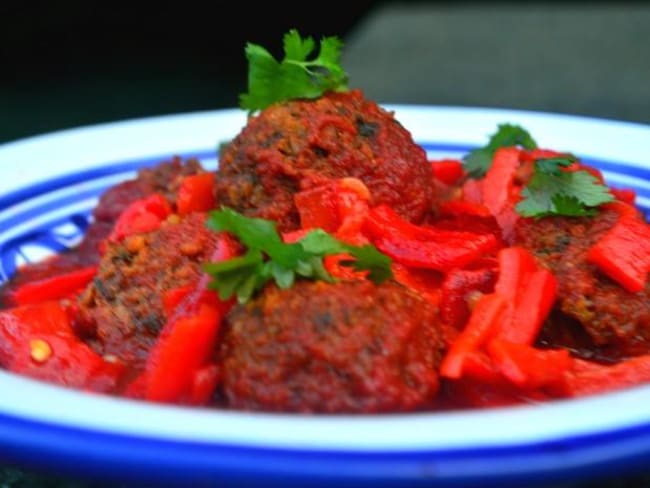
x=349 y=347
x=299 y=144
x=121 y=310
x=594 y=315
x=163 y=178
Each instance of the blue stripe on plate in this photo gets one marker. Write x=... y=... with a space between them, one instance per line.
x=42 y=235
x=142 y=459
x=107 y=169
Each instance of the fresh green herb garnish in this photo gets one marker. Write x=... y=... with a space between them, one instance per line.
x=552 y=191
x=270 y=81
x=478 y=161
x=269 y=258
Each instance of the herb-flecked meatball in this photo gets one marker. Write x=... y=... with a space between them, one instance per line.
x=594 y=315
x=351 y=347
x=299 y=144
x=122 y=307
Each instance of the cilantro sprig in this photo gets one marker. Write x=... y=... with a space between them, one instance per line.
x=554 y=191
x=268 y=258
x=296 y=76
x=478 y=161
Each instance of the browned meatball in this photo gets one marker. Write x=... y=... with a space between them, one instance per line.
x=595 y=315
x=318 y=347
x=122 y=308
x=301 y=143
x=164 y=178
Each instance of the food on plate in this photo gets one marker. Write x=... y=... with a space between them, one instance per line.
x=328 y=266
x=351 y=346
x=301 y=144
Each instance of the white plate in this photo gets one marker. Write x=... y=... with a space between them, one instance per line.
x=47 y=179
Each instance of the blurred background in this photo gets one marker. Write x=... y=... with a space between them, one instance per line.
x=74 y=62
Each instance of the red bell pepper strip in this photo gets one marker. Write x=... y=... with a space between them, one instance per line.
x=623 y=253
x=530 y=291
x=626 y=195
x=455 y=292
x=204 y=382
x=515 y=265
x=448 y=171
x=424 y=247
x=56 y=287
x=337 y=207
x=196 y=194
x=532 y=307
x=472 y=191
x=482 y=325
x=458 y=208
x=533 y=155
x=425 y=282
x=318 y=208
x=527 y=367
x=587 y=377
x=480 y=367
x=188 y=338
x=498 y=189
x=38 y=341
x=143 y=215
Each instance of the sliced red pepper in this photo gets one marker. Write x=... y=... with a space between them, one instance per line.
x=181 y=350
x=530 y=291
x=171 y=299
x=627 y=195
x=457 y=208
x=425 y=282
x=482 y=325
x=143 y=215
x=532 y=155
x=588 y=377
x=455 y=291
x=498 y=188
x=448 y=171
x=479 y=366
x=532 y=306
x=424 y=247
x=38 y=341
x=337 y=207
x=65 y=285
x=318 y=207
x=623 y=253
x=196 y=194
x=527 y=367
x=188 y=338
x=204 y=383
x=515 y=265
x=472 y=191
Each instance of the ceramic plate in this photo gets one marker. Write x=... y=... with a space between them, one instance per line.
x=48 y=186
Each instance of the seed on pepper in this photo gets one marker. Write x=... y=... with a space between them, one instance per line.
x=40 y=350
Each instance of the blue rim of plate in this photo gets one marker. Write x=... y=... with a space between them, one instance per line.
x=67 y=448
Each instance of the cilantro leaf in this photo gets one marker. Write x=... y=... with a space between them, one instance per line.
x=369 y=258
x=268 y=258
x=478 y=161
x=552 y=191
x=296 y=76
